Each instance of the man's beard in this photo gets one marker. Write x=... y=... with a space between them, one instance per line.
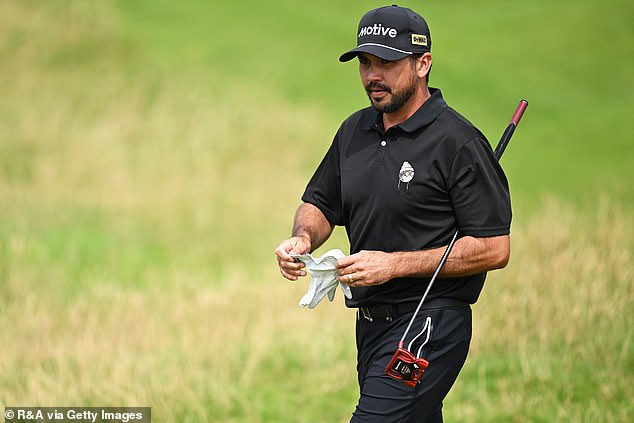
x=399 y=97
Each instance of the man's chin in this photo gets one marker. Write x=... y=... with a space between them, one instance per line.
x=379 y=103
x=381 y=106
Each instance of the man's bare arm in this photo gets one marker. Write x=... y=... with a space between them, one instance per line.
x=310 y=230
x=469 y=256
x=311 y=224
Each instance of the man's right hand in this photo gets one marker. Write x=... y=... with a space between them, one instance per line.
x=289 y=268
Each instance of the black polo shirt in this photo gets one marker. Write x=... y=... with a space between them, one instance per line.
x=409 y=188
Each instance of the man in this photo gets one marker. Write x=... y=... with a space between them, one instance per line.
x=401 y=176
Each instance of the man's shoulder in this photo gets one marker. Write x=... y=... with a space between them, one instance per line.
x=363 y=118
x=358 y=124
x=461 y=128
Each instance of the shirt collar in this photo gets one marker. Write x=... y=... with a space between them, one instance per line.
x=426 y=114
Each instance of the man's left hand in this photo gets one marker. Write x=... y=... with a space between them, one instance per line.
x=365 y=268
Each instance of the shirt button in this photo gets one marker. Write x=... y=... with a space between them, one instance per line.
x=383 y=143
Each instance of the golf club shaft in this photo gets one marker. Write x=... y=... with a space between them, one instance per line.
x=499 y=150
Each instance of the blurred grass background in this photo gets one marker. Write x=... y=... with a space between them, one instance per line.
x=152 y=154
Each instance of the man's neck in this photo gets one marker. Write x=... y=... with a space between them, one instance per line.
x=408 y=109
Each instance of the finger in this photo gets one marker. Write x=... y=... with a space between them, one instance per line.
x=283 y=251
x=287 y=261
x=292 y=275
x=349 y=278
x=291 y=264
x=288 y=275
x=296 y=272
x=293 y=268
x=348 y=269
x=344 y=262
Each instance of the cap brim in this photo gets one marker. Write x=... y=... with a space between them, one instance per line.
x=378 y=50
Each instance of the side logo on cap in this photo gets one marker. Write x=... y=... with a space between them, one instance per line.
x=420 y=40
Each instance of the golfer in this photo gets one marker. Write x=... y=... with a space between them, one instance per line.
x=401 y=176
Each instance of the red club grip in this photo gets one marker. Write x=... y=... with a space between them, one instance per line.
x=519 y=112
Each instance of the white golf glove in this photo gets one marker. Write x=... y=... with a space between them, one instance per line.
x=324 y=278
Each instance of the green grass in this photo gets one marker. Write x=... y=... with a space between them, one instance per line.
x=567 y=58
x=152 y=154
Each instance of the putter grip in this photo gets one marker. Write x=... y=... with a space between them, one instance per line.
x=510 y=128
x=519 y=111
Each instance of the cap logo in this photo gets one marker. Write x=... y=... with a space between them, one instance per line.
x=420 y=40
x=379 y=29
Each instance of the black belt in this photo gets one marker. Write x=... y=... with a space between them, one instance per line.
x=390 y=311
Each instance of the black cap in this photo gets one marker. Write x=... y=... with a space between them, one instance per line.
x=391 y=33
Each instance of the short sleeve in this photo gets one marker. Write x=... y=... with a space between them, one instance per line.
x=479 y=191
x=324 y=188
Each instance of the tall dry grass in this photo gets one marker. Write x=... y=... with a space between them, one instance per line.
x=552 y=340
x=139 y=214
x=554 y=330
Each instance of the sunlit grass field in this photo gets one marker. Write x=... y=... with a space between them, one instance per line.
x=152 y=154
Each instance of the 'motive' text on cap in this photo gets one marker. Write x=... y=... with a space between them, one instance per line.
x=391 y=33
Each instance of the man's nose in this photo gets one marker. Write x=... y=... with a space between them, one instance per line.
x=375 y=73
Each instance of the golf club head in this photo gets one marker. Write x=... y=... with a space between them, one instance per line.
x=405 y=367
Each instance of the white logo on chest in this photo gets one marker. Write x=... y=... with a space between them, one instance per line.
x=406 y=174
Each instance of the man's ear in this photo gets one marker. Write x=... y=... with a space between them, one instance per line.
x=423 y=65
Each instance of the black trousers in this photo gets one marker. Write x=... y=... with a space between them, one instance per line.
x=384 y=399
